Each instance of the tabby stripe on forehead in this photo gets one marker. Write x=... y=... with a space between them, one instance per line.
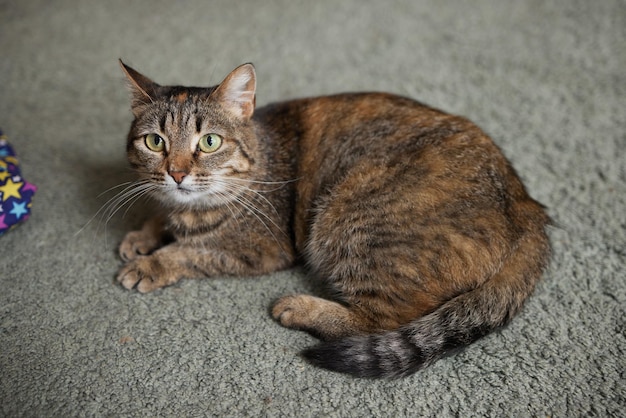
x=162 y=123
x=187 y=116
x=198 y=124
x=179 y=122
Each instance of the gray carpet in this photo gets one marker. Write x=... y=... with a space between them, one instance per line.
x=546 y=79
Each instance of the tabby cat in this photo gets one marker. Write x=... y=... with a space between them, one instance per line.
x=413 y=218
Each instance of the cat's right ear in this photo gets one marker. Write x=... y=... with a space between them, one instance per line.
x=143 y=90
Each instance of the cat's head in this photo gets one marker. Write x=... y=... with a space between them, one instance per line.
x=191 y=145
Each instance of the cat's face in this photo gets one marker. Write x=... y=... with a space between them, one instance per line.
x=193 y=146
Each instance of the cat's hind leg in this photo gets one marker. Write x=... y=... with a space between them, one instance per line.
x=322 y=318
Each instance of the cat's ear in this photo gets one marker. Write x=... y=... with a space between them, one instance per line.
x=143 y=90
x=237 y=93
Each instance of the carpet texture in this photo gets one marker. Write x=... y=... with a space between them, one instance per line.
x=546 y=79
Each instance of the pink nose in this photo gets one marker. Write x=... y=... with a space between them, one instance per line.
x=178 y=176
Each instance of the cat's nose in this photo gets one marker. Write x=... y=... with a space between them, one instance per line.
x=178 y=176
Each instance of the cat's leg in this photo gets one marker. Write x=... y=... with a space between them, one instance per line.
x=162 y=267
x=177 y=260
x=323 y=318
x=144 y=241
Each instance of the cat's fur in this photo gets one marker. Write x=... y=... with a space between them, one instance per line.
x=413 y=217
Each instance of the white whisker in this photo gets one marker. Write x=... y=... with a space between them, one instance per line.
x=133 y=199
x=124 y=198
x=237 y=187
x=254 y=209
x=279 y=184
x=282 y=182
x=126 y=183
x=129 y=194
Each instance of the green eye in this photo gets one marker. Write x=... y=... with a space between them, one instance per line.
x=210 y=143
x=154 y=142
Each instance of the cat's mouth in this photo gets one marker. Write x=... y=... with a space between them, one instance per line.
x=188 y=194
x=184 y=195
x=180 y=189
x=184 y=191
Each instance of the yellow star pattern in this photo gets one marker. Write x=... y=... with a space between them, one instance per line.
x=11 y=189
x=4 y=175
x=12 y=160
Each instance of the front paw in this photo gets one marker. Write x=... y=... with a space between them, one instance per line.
x=144 y=274
x=136 y=244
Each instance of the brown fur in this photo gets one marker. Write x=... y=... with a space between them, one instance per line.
x=413 y=217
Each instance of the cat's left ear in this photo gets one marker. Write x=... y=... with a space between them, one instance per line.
x=237 y=93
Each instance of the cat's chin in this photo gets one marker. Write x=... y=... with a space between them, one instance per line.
x=189 y=199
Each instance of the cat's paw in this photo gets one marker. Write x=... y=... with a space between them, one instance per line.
x=136 y=244
x=294 y=311
x=325 y=319
x=144 y=274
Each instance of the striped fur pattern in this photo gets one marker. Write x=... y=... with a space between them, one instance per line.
x=422 y=231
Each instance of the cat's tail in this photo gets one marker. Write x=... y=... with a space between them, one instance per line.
x=455 y=324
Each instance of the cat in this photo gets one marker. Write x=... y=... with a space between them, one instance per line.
x=413 y=218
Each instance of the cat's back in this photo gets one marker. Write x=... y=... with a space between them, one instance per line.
x=335 y=131
x=349 y=115
x=329 y=135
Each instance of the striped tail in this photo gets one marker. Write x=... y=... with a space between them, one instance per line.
x=455 y=324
